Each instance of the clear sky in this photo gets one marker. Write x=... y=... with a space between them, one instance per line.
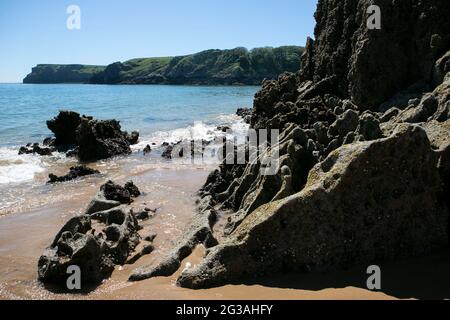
x=33 y=32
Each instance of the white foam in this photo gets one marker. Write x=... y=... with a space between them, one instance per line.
x=198 y=131
x=17 y=169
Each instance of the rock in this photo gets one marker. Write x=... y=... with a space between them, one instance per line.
x=142 y=215
x=441 y=68
x=197 y=232
x=64 y=126
x=368 y=68
x=369 y=128
x=147 y=149
x=132 y=189
x=145 y=251
x=72 y=153
x=96 y=254
x=85 y=252
x=132 y=138
x=115 y=192
x=36 y=149
x=347 y=122
x=101 y=140
x=167 y=154
x=151 y=237
x=224 y=128
x=100 y=203
x=438 y=132
x=367 y=201
x=74 y=173
x=49 y=142
x=245 y=113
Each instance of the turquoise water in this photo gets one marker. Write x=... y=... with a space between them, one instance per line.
x=159 y=113
x=24 y=109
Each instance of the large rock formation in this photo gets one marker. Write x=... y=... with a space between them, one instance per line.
x=94 y=139
x=370 y=66
x=100 y=140
x=357 y=179
x=367 y=201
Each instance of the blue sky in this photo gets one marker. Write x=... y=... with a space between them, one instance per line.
x=33 y=32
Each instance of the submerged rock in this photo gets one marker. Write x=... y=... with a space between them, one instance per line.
x=147 y=150
x=74 y=173
x=36 y=149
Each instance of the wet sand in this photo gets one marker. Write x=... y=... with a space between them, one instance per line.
x=25 y=234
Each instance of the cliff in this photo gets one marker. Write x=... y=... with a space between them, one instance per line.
x=236 y=66
x=55 y=73
x=210 y=67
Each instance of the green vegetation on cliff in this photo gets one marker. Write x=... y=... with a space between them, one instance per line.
x=235 y=66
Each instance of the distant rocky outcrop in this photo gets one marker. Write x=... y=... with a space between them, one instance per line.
x=364 y=154
x=57 y=73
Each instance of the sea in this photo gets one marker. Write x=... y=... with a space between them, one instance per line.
x=160 y=113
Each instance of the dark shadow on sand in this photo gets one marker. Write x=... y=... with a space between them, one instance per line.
x=425 y=278
x=86 y=289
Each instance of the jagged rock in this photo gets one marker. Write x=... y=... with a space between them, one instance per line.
x=64 y=127
x=82 y=250
x=132 y=138
x=100 y=203
x=368 y=128
x=151 y=237
x=439 y=135
x=115 y=192
x=145 y=251
x=36 y=149
x=167 y=153
x=197 y=232
x=74 y=173
x=147 y=149
x=112 y=195
x=441 y=68
x=224 y=128
x=347 y=122
x=72 y=153
x=367 y=201
x=101 y=139
x=95 y=253
x=368 y=67
x=245 y=113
